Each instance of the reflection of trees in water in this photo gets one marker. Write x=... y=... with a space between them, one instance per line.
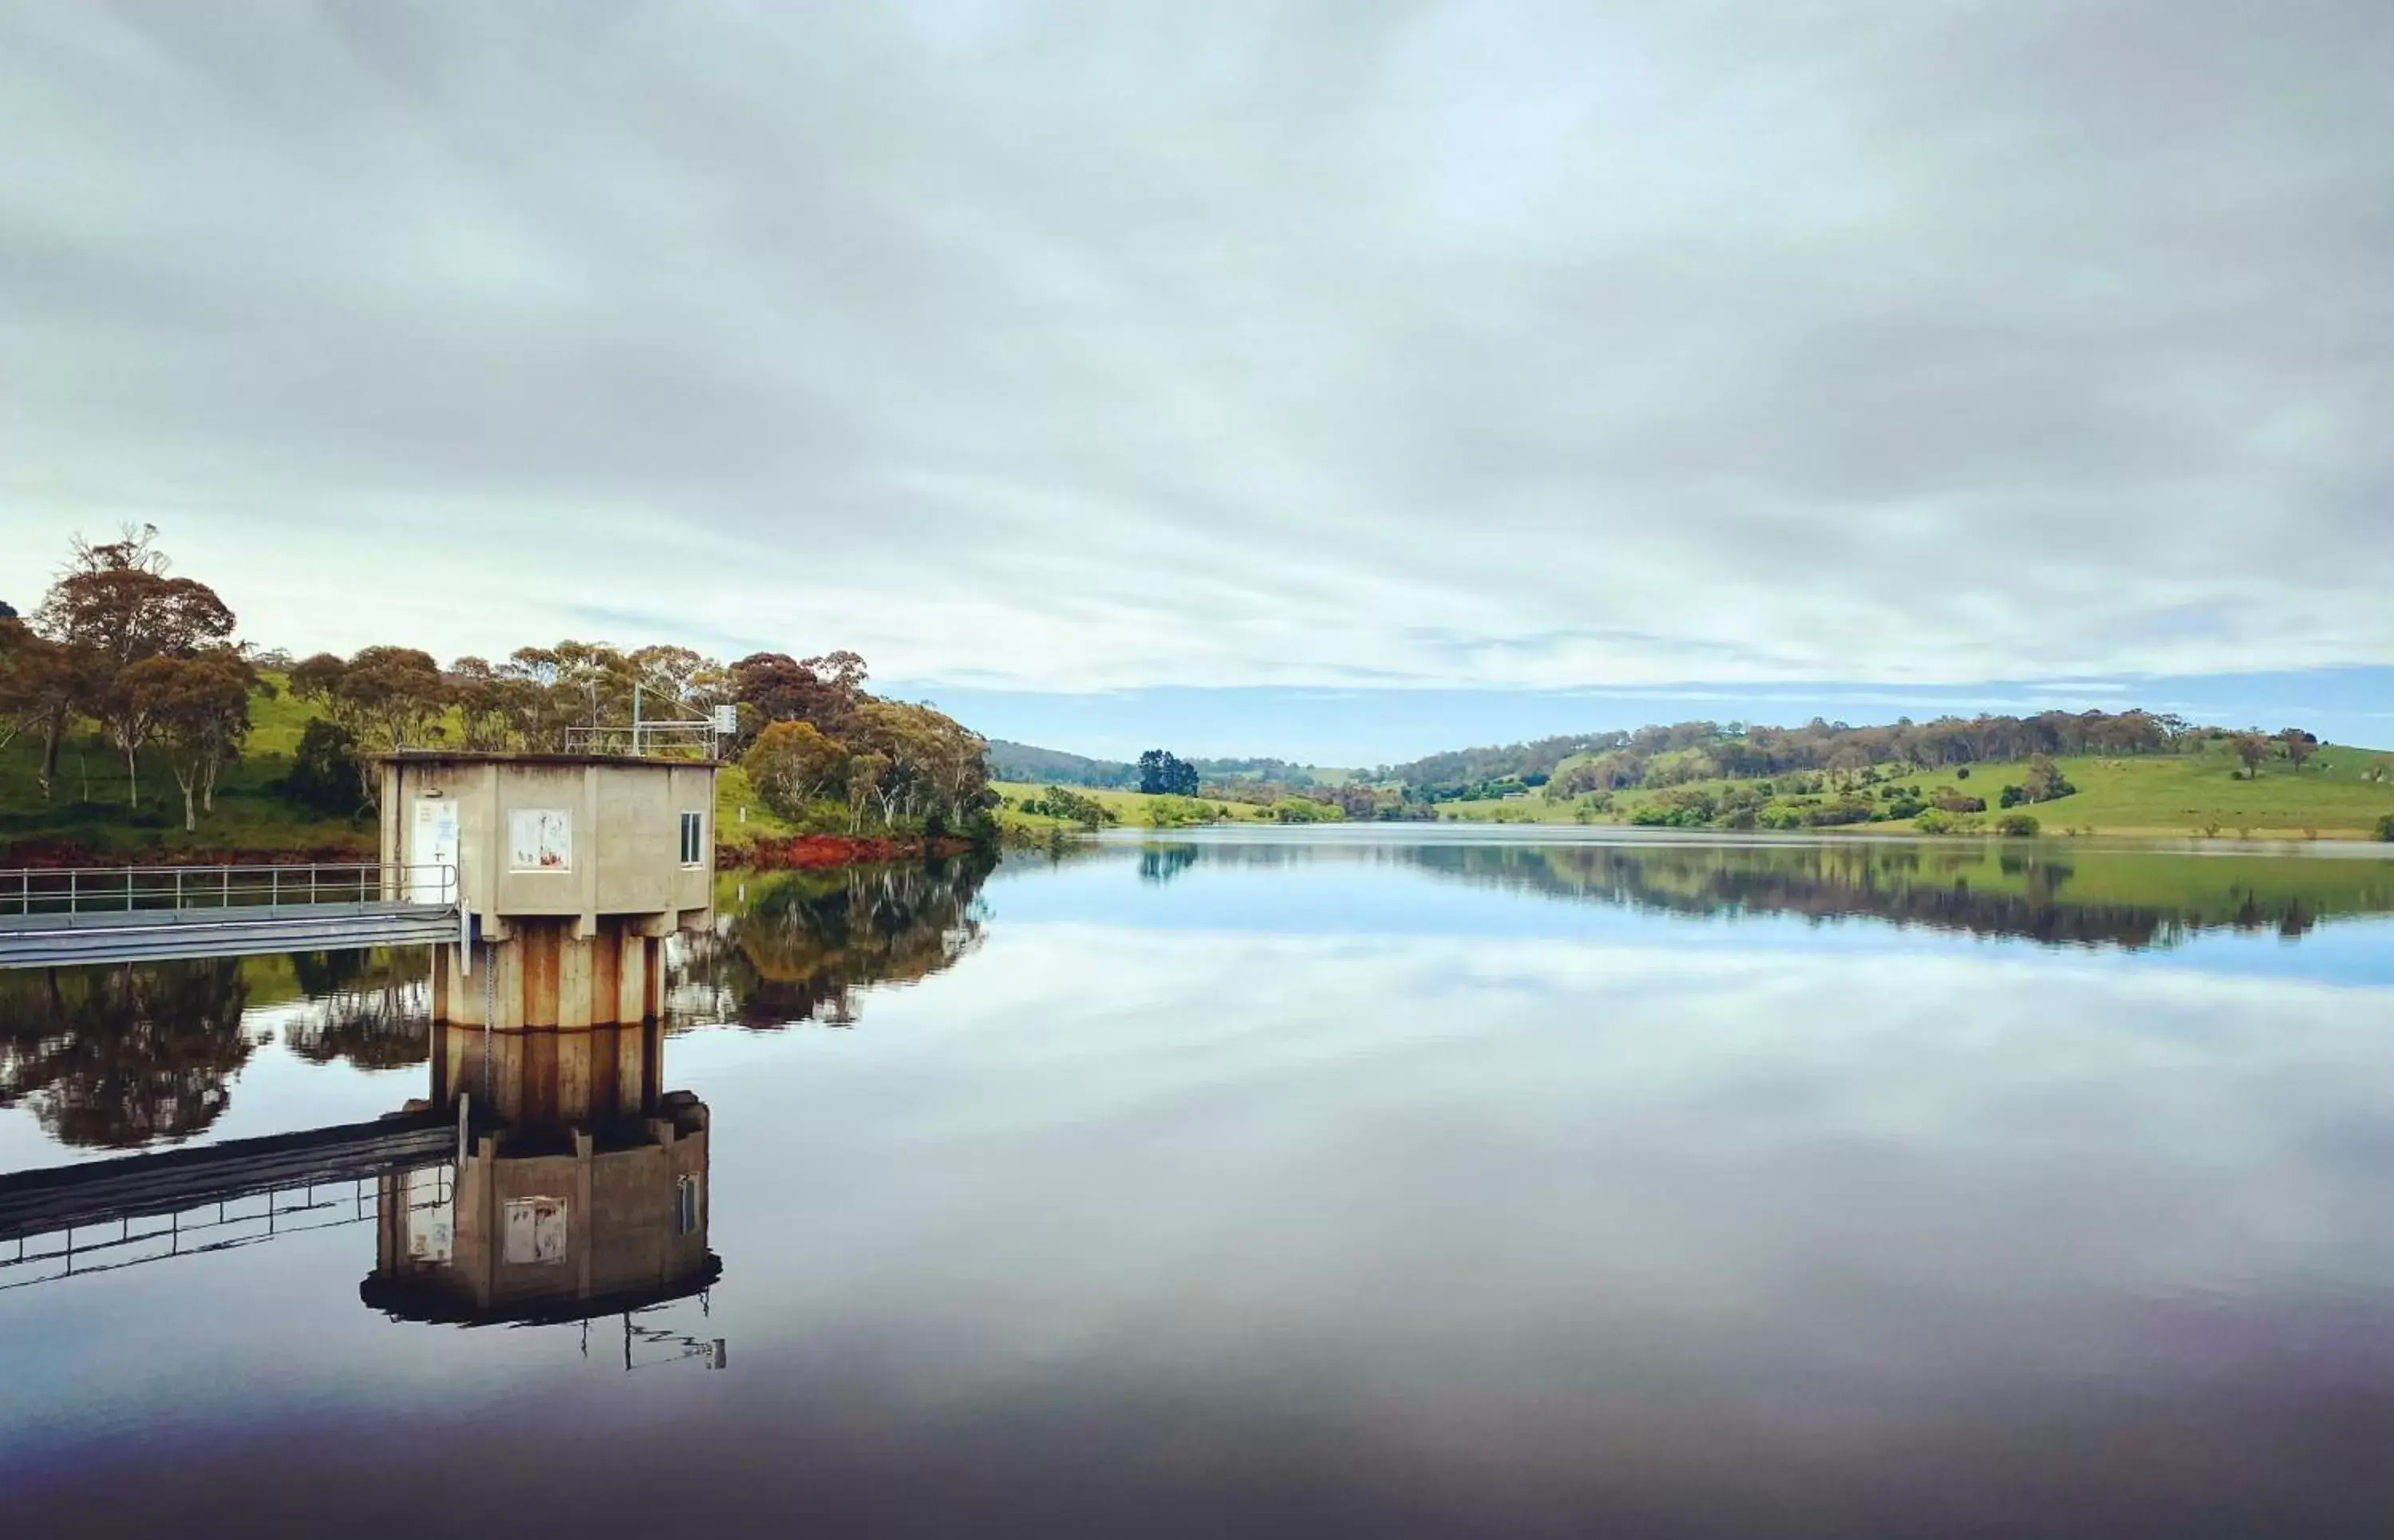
x=1162 y=863
x=1902 y=884
x=372 y=1009
x=805 y=941
x=118 y=1057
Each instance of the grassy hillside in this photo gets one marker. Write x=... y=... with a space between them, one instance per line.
x=89 y=805
x=740 y=816
x=2203 y=793
x=1135 y=809
x=2162 y=795
x=249 y=815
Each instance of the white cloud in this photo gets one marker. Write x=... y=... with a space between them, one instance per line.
x=1094 y=347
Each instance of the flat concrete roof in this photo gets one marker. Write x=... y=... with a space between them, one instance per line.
x=469 y=756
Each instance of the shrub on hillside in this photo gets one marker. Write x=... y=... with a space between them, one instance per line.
x=1682 y=808
x=2045 y=781
x=2386 y=827
x=1845 y=809
x=325 y=773
x=1171 y=811
x=1954 y=802
x=1738 y=807
x=2018 y=825
x=1072 y=807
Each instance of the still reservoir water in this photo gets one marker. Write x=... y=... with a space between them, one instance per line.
x=1359 y=1182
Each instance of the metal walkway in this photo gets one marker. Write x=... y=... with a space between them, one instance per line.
x=63 y=917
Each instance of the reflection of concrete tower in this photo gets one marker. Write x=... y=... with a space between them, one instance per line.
x=549 y=1216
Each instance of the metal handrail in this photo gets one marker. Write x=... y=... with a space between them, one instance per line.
x=699 y=735
x=69 y=891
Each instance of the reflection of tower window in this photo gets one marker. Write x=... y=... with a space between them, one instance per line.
x=686 y=1205
x=535 y=1230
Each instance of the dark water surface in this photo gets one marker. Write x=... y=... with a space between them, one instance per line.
x=1350 y=1183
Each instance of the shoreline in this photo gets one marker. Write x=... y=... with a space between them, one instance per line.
x=771 y=853
x=815 y=852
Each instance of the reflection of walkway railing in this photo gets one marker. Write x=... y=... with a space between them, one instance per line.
x=244 y=1219
x=112 y=1195
x=51 y=916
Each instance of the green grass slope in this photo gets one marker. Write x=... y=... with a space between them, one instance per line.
x=89 y=809
x=1136 y=810
x=251 y=817
x=2202 y=794
x=2150 y=796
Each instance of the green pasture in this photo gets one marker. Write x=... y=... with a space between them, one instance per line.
x=1136 y=810
x=2173 y=795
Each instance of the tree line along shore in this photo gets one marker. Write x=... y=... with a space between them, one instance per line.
x=2133 y=773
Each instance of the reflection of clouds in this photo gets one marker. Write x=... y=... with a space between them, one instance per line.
x=1773 y=1175
x=1435 y=1229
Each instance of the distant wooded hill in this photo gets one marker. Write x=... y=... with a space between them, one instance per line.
x=1053 y=767
x=1660 y=756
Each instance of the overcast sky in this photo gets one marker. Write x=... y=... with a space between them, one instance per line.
x=1063 y=347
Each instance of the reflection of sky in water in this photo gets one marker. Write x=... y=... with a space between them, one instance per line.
x=1435 y=1201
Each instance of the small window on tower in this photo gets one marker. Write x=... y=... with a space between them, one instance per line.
x=693 y=839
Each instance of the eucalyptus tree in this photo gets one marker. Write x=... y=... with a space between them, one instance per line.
x=198 y=708
x=791 y=764
x=115 y=606
x=389 y=698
